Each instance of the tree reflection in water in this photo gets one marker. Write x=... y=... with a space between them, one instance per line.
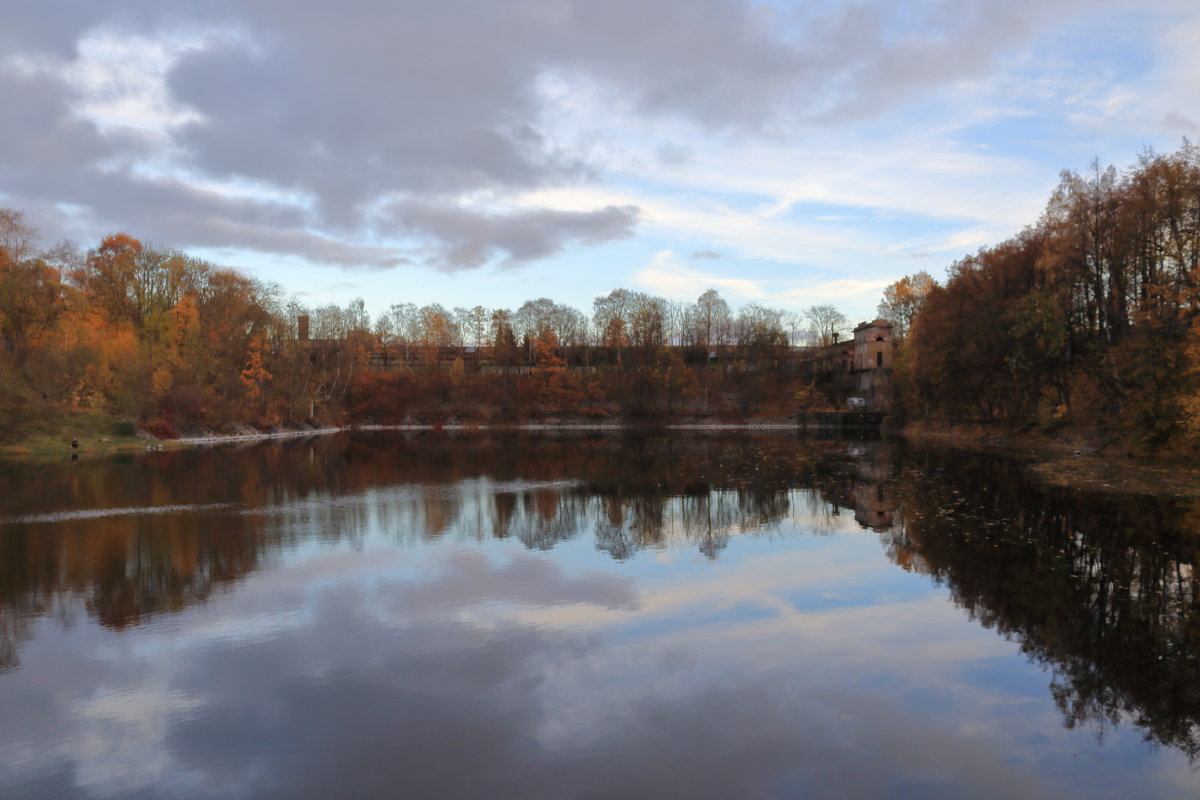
x=1100 y=589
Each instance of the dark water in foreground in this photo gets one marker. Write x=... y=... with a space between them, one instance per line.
x=749 y=616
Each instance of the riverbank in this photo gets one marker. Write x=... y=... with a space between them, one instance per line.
x=1095 y=460
x=77 y=433
x=1098 y=460
x=95 y=434
x=91 y=434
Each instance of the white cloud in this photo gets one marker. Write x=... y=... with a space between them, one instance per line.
x=666 y=276
x=833 y=291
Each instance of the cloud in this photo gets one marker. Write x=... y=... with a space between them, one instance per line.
x=432 y=111
x=666 y=277
x=465 y=238
x=673 y=155
x=835 y=290
x=1176 y=121
x=704 y=254
x=40 y=132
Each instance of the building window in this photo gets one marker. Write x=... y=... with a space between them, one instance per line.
x=879 y=359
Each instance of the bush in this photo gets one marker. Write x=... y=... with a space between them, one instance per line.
x=161 y=428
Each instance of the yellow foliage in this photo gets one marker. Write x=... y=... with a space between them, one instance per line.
x=160 y=381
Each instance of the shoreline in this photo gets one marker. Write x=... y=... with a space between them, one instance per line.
x=48 y=447
x=1078 y=459
x=585 y=426
x=1090 y=460
x=222 y=438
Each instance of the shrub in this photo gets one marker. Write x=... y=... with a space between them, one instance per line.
x=161 y=428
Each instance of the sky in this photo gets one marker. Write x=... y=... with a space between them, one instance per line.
x=490 y=152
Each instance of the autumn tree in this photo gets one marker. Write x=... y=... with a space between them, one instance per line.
x=254 y=375
x=556 y=391
x=32 y=299
x=679 y=383
x=108 y=275
x=903 y=299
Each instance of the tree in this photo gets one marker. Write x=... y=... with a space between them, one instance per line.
x=108 y=275
x=504 y=339
x=679 y=382
x=710 y=319
x=610 y=315
x=437 y=332
x=903 y=300
x=555 y=390
x=17 y=237
x=254 y=376
x=647 y=322
x=32 y=298
x=826 y=322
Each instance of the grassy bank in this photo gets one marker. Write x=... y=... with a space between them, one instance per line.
x=51 y=436
x=33 y=427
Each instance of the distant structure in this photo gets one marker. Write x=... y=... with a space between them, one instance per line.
x=873 y=357
x=857 y=372
x=873 y=345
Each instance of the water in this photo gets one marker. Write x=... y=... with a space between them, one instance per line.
x=578 y=616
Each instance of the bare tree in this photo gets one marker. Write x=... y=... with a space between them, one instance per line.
x=711 y=320
x=825 y=322
x=17 y=237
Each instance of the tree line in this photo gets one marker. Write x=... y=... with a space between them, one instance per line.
x=1088 y=316
x=153 y=334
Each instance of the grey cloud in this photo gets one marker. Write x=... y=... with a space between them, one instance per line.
x=735 y=66
x=382 y=99
x=39 y=132
x=705 y=254
x=871 y=65
x=181 y=215
x=1178 y=122
x=465 y=239
x=671 y=155
x=49 y=26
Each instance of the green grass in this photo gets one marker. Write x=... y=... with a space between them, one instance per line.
x=32 y=427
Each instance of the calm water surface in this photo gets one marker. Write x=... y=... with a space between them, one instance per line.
x=587 y=616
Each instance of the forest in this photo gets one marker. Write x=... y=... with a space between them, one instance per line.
x=1088 y=317
x=172 y=343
